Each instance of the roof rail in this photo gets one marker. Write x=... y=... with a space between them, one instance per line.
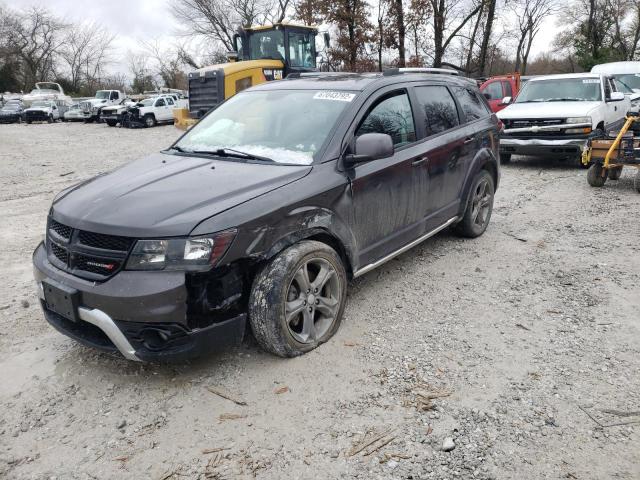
x=397 y=71
x=294 y=75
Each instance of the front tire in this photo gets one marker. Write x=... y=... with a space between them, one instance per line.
x=150 y=120
x=636 y=181
x=50 y=119
x=479 y=206
x=111 y=123
x=298 y=298
x=597 y=176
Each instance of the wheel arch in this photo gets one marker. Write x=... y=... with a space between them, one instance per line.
x=484 y=160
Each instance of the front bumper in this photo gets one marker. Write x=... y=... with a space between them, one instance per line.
x=140 y=314
x=546 y=146
x=10 y=118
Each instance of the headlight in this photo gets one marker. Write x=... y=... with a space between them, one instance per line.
x=189 y=254
x=94 y=109
x=579 y=120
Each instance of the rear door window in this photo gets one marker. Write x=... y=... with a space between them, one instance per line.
x=472 y=106
x=438 y=107
x=391 y=115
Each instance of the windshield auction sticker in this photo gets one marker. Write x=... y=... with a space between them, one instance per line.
x=336 y=96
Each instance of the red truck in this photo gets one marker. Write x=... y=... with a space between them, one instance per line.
x=498 y=87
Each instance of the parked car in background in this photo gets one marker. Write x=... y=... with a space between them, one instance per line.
x=495 y=89
x=43 y=111
x=555 y=115
x=73 y=114
x=12 y=112
x=47 y=91
x=264 y=210
x=627 y=77
x=112 y=115
x=92 y=108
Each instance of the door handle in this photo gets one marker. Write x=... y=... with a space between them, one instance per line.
x=419 y=161
x=469 y=140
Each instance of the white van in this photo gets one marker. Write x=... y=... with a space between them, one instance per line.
x=627 y=77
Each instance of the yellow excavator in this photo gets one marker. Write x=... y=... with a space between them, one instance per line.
x=261 y=54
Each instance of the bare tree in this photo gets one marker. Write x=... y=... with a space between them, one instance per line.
x=86 y=52
x=219 y=19
x=35 y=38
x=529 y=14
x=447 y=17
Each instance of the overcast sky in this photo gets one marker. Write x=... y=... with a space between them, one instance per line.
x=149 y=20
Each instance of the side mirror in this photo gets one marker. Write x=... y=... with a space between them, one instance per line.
x=506 y=101
x=487 y=96
x=616 y=97
x=371 y=146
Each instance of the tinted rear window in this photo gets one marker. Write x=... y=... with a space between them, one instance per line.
x=439 y=108
x=472 y=106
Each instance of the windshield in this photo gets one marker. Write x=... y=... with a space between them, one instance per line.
x=102 y=94
x=10 y=108
x=561 y=90
x=147 y=102
x=267 y=44
x=287 y=126
x=630 y=80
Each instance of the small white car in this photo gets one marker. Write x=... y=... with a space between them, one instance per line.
x=74 y=114
x=555 y=115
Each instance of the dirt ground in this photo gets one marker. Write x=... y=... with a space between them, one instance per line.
x=520 y=350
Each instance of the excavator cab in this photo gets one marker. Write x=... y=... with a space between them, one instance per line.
x=262 y=54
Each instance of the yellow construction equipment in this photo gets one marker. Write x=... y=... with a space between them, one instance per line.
x=262 y=54
x=609 y=156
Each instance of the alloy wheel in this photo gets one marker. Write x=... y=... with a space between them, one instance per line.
x=481 y=206
x=313 y=300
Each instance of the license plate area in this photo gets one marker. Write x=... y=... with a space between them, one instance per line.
x=61 y=299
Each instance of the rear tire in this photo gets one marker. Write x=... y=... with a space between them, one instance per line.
x=477 y=213
x=298 y=298
x=505 y=157
x=595 y=176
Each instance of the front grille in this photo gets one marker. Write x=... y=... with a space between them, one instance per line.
x=99 y=266
x=89 y=255
x=105 y=242
x=533 y=122
x=60 y=253
x=62 y=230
x=206 y=91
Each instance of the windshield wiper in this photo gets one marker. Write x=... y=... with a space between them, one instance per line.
x=230 y=152
x=564 y=100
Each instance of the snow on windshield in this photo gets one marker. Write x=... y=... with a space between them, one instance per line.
x=287 y=126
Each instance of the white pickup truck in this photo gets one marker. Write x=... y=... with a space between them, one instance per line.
x=114 y=114
x=555 y=115
x=92 y=108
x=44 y=111
x=151 y=111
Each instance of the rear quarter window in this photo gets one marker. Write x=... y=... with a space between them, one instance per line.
x=473 y=107
x=439 y=108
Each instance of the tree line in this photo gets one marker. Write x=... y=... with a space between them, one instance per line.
x=478 y=37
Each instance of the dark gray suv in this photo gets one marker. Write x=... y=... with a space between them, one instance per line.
x=262 y=212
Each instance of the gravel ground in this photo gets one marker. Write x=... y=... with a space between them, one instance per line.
x=512 y=356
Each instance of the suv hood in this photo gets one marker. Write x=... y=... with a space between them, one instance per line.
x=38 y=109
x=167 y=195
x=548 y=110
